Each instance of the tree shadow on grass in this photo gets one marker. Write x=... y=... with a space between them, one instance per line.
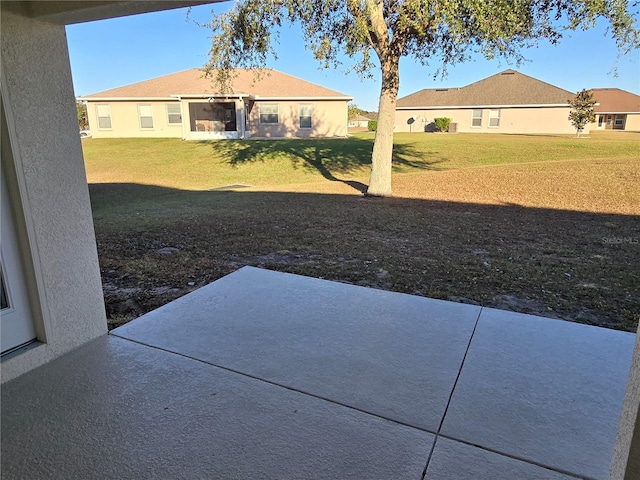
x=333 y=158
x=566 y=264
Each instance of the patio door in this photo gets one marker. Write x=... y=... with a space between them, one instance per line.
x=16 y=323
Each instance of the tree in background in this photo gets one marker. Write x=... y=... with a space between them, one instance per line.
x=353 y=111
x=442 y=32
x=83 y=119
x=582 y=112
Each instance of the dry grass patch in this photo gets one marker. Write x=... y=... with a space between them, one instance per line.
x=559 y=238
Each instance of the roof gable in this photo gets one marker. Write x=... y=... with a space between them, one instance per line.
x=505 y=88
x=614 y=100
x=272 y=84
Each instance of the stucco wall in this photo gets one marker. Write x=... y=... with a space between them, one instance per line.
x=626 y=456
x=49 y=176
x=512 y=120
x=633 y=122
x=125 y=121
x=329 y=120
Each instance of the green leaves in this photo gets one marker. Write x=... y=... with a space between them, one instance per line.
x=446 y=31
x=582 y=111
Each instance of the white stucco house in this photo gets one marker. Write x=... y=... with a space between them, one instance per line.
x=52 y=300
x=188 y=105
x=507 y=102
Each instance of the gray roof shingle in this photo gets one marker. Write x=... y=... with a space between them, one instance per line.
x=193 y=82
x=505 y=88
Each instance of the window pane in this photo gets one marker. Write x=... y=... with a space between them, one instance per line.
x=173 y=113
x=102 y=110
x=268 y=113
x=494 y=118
x=173 y=108
x=104 y=122
x=269 y=108
x=146 y=122
x=145 y=110
x=306 y=110
x=268 y=118
x=305 y=122
x=4 y=301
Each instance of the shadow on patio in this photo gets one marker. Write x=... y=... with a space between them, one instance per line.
x=269 y=375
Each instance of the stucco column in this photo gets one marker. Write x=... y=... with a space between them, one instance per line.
x=49 y=179
x=626 y=457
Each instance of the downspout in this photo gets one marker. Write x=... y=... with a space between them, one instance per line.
x=346 y=125
x=242 y=116
x=184 y=134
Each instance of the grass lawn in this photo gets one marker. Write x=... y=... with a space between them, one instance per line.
x=548 y=225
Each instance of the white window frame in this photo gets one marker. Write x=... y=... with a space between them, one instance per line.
x=494 y=115
x=300 y=117
x=174 y=106
x=98 y=116
x=260 y=113
x=618 y=120
x=141 y=116
x=474 y=118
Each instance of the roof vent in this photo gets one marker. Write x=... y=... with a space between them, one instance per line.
x=508 y=73
x=442 y=89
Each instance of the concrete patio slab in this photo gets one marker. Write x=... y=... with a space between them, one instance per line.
x=454 y=460
x=115 y=409
x=385 y=353
x=543 y=390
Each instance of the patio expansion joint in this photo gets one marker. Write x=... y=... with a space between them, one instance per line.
x=481 y=447
x=515 y=457
x=276 y=384
x=453 y=388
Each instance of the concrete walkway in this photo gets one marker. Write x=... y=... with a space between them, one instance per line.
x=265 y=375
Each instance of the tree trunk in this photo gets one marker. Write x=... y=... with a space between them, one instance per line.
x=380 y=180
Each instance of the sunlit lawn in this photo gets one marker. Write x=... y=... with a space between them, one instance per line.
x=537 y=224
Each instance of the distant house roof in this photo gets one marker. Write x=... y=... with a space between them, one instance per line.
x=614 y=100
x=506 y=88
x=192 y=82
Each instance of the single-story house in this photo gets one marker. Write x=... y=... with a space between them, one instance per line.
x=188 y=105
x=361 y=121
x=616 y=109
x=508 y=102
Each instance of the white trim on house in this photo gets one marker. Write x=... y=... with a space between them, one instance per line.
x=126 y=99
x=213 y=135
x=617 y=113
x=230 y=96
x=478 y=107
x=260 y=97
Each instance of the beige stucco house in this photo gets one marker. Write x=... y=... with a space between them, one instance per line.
x=508 y=102
x=52 y=298
x=616 y=110
x=187 y=105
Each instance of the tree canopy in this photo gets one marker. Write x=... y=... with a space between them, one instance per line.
x=377 y=33
x=582 y=111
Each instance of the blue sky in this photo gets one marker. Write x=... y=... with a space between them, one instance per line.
x=112 y=53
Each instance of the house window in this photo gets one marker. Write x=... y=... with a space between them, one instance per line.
x=476 y=118
x=268 y=113
x=174 y=114
x=494 y=118
x=103 y=113
x=306 y=114
x=145 y=111
x=618 y=123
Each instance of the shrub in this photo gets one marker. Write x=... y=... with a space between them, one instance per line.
x=442 y=123
x=372 y=125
